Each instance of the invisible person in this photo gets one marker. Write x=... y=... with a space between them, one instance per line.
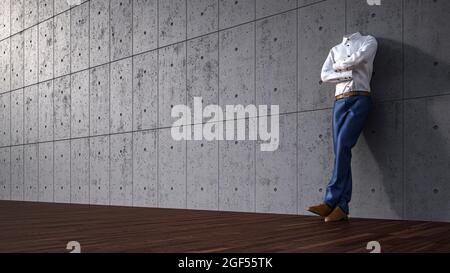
x=349 y=65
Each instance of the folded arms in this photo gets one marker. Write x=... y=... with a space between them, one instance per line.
x=340 y=70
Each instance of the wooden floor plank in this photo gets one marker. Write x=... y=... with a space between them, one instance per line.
x=40 y=227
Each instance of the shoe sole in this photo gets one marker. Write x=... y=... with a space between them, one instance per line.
x=340 y=220
x=316 y=213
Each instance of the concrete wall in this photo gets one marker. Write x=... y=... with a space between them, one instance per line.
x=87 y=91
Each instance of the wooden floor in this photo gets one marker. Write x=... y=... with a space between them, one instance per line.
x=37 y=227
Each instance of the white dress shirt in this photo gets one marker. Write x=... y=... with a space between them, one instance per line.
x=350 y=63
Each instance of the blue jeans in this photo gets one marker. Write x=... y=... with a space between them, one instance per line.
x=349 y=116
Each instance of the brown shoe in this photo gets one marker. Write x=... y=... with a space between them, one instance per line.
x=321 y=210
x=336 y=215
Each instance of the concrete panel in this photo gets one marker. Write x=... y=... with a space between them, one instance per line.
x=45 y=8
x=31 y=120
x=121 y=29
x=45 y=49
x=121 y=170
x=99 y=171
x=276 y=64
x=426 y=41
x=237 y=65
x=202 y=17
x=121 y=115
x=31 y=56
x=171 y=170
x=377 y=165
x=30 y=13
x=172 y=81
x=269 y=7
x=145 y=91
x=302 y=3
x=62 y=44
x=17 y=173
x=46 y=119
x=172 y=21
x=5 y=65
x=385 y=23
x=31 y=161
x=315 y=157
x=62 y=171
x=202 y=175
x=5 y=119
x=203 y=70
x=16 y=16
x=17 y=128
x=61 y=6
x=276 y=172
x=237 y=176
x=427 y=146
x=233 y=13
x=79 y=97
x=145 y=169
x=5 y=19
x=145 y=25
x=17 y=61
x=5 y=169
x=79 y=171
x=321 y=27
x=100 y=99
x=46 y=172
x=61 y=106
x=99 y=32
x=79 y=31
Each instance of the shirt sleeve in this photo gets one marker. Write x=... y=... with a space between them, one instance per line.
x=330 y=75
x=366 y=52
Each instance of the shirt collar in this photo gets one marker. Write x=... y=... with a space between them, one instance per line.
x=351 y=37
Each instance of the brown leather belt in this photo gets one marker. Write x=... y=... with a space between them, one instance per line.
x=352 y=93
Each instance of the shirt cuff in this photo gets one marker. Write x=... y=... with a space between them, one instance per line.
x=345 y=75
